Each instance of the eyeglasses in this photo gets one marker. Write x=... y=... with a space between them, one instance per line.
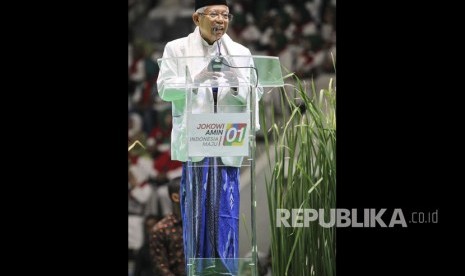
x=214 y=15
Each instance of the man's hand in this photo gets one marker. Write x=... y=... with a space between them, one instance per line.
x=231 y=77
x=205 y=75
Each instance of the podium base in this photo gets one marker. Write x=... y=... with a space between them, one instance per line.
x=216 y=266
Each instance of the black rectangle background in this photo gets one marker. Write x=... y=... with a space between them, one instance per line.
x=396 y=137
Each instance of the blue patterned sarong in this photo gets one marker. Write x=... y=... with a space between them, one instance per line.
x=210 y=212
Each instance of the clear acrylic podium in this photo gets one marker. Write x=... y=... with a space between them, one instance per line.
x=220 y=128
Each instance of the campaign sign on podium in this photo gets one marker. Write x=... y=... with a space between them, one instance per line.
x=219 y=134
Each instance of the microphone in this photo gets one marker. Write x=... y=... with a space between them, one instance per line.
x=215 y=30
x=217 y=64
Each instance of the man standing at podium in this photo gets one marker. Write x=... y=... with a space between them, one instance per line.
x=209 y=185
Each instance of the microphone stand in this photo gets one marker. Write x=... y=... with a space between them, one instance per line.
x=216 y=65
